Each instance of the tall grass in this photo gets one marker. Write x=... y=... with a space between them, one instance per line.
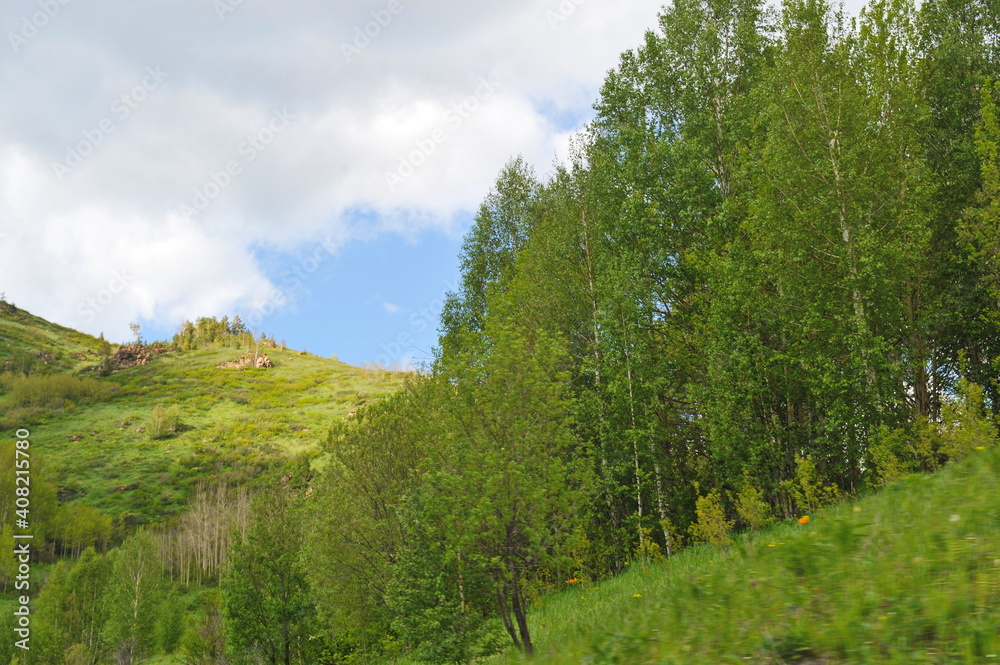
x=51 y=390
x=910 y=575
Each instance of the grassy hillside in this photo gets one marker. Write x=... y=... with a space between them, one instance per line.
x=30 y=341
x=97 y=437
x=909 y=575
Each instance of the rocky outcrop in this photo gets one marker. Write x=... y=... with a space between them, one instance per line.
x=260 y=361
x=132 y=355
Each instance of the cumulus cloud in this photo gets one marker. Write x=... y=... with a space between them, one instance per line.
x=147 y=149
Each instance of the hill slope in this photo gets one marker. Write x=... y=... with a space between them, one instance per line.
x=28 y=341
x=100 y=443
x=908 y=575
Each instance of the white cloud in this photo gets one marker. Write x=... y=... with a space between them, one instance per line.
x=63 y=241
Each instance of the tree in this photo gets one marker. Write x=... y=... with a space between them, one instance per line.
x=489 y=251
x=205 y=642
x=503 y=497
x=136 y=331
x=133 y=598
x=980 y=230
x=355 y=537
x=267 y=604
x=87 y=609
x=957 y=42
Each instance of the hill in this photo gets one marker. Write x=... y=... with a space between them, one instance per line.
x=136 y=441
x=910 y=574
x=28 y=342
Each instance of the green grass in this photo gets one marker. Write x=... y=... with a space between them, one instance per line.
x=46 y=346
x=94 y=435
x=908 y=575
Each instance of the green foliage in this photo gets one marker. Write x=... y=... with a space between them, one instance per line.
x=489 y=252
x=87 y=608
x=355 y=536
x=164 y=422
x=170 y=623
x=505 y=488
x=45 y=514
x=440 y=593
x=78 y=526
x=266 y=603
x=648 y=549
x=204 y=643
x=711 y=525
x=134 y=597
x=966 y=425
x=979 y=228
x=751 y=507
x=808 y=491
x=209 y=332
x=904 y=573
x=50 y=391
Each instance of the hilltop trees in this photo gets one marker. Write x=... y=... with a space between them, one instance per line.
x=209 y=331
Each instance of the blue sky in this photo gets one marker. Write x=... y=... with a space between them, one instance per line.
x=170 y=159
x=377 y=300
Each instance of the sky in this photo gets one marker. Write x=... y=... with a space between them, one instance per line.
x=310 y=166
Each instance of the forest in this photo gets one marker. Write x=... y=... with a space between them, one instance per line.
x=766 y=279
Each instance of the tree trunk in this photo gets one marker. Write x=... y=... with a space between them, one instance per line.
x=522 y=621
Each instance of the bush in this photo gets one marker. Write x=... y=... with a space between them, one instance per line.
x=164 y=422
x=711 y=526
x=808 y=491
x=965 y=426
x=52 y=390
x=751 y=507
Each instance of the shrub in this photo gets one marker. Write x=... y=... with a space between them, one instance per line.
x=164 y=422
x=750 y=505
x=923 y=446
x=808 y=490
x=52 y=390
x=711 y=526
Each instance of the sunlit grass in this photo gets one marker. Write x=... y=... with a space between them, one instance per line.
x=908 y=575
x=233 y=424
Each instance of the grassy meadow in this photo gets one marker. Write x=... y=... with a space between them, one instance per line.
x=910 y=574
x=97 y=440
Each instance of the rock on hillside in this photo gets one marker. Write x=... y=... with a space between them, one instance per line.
x=260 y=361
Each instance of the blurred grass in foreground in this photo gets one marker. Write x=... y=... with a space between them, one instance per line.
x=908 y=575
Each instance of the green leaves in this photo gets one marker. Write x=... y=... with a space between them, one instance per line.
x=267 y=604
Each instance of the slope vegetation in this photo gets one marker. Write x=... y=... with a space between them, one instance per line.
x=136 y=442
x=908 y=575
